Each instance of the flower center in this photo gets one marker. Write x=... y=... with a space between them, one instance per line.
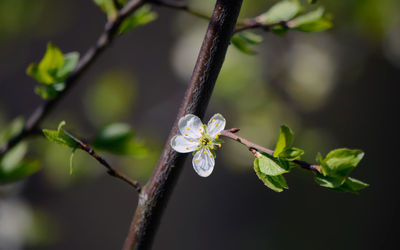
x=205 y=140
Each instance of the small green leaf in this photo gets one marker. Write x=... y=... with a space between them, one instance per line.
x=329 y=181
x=276 y=183
x=281 y=11
x=312 y=1
x=284 y=141
x=12 y=168
x=19 y=172
x=291 y=154
x=352 y=185
x=140 y=17
x=70 y=61
x=243 y=40
x=117 y=138
x=268 y=166
x=15 y=127
x=71 y=158
x=59 y=136
x=48 y=67
x=108 y=7
x=340 y=162
x=312 y=21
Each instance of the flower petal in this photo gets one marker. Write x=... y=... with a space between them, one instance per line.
x=183 y=145
x=216 y=125
x=190 y=126
x=203 y=162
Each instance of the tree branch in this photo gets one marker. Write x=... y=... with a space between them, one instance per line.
x=111 y=170
x=154 y=195
x=254 y=24
x=254 y=148
x=105 y=39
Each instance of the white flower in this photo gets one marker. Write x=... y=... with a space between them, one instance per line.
x=201 y=139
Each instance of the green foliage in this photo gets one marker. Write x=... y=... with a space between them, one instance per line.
x=12 y=166
x=336 y=167
x=268 y=165
x=313 y=21
x=117 y=138
x=59 y=136
x=312 y=1
x=281 y=11
x=12 y=130
x=284 y=141
x=108 y=7
x=243 y=40
x=52 y=70
x=269 y=168
x=276 y=183
x=140 y=17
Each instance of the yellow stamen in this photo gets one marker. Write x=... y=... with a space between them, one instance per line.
x=202 y=125
x=216 y=125
x=187 y=148
x=213 y=120
x=208 y=134
x=197 y=148
x=191 y=140
x=219 y=145
x=186 y=134
x=204 y=152
x=217 y=136
x=211 y=155
x=187 y=129
x=196 y=160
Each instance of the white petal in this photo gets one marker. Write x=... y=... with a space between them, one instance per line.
x=183 y=145
x=190 y=126
x=216 y=125
x=203 y=162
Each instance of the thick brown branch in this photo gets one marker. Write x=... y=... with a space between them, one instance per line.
x=254 y=148
x=154 y=195
x=111 y=170
x=105 y=39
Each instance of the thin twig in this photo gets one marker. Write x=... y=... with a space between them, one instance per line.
x=111 y=170
x=254 y=24
x=254 y=148
x=180 y=6
x=105 y=39
x=154 y=195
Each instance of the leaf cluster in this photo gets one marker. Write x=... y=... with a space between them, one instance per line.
x=335 y=167
x=52 y=71
x=280 y=18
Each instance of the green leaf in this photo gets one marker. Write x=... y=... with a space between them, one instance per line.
x=268 y=166
x=340 y=162
x=329 y=181
x=352 y=185
x=316 y=26
x=312 y=1
x=19 y=172
x=140 y=17
x=281 y=11
x=15 y=127
x=284 y=141
x=71 y=158
x=276 y=183
x=243 y=40
x=49 y=91
x=70 y=61
x=312 y=21
x=291 y=154
x=12 y=168
x=108 y=7
x=59 y=136
x=117 y=138
x=48 y=67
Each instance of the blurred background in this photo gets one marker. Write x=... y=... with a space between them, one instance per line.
x=334 y=89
